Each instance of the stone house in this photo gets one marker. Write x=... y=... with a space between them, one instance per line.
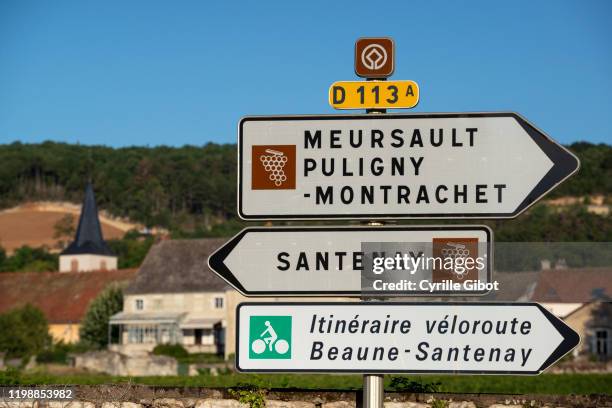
x=582 y=297
x=174 y=299
x=593 y=320
x=177 y=299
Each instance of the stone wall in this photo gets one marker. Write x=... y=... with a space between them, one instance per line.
x=136 y=364
x=126 y=396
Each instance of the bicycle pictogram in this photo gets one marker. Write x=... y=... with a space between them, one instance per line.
x=270 y=337
x=280 y=346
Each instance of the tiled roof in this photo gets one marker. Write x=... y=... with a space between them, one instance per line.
x=574 y=285
x=513 y=286
x=178 y=266
x=63 y=297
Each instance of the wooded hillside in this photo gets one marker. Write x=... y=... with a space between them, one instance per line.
x=182 y=188
x=156 y=186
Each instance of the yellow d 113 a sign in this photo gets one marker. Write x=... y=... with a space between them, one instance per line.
x=373 y=94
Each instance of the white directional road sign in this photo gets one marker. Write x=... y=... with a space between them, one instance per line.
x=455 y=165
x=476 y=338
x=329 y=261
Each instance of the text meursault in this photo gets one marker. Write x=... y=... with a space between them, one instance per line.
x=401 y=170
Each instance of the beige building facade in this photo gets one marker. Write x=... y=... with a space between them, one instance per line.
x=582 y=298
x=593 y=322
x=177 y=299
x=67 y=333
x=197 y=321
x=174 y=299
x=87 y=263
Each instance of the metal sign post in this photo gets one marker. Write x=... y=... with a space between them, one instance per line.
x=374 y=384
x=373 y=390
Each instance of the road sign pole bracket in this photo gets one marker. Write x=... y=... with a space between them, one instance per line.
x=376 y=110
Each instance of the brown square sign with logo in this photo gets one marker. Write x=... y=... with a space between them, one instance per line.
x=374 y=57
x=273 y=167
x=454 y=251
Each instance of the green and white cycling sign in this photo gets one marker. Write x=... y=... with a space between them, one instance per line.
x=270 y=337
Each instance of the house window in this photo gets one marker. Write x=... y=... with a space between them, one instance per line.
x=142 y=334
x=157 y=303
x=218 y=303
x=601 y=342
x=139 y=304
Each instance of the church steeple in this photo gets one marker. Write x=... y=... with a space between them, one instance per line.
x=88 y=239
x=88 y=251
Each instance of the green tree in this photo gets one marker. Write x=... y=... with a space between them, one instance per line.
x=132 y=249
x=24 y=332
x=2 y=258
x=94 y=327
x=64 y=227
x=26 y=259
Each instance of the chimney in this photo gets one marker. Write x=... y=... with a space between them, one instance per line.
x=544 y=264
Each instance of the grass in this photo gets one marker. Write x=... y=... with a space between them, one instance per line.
x=542 y=384
x=201 y=358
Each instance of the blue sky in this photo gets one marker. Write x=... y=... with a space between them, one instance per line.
x=183 y=72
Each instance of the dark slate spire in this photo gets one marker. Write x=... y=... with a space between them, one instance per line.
x=88 y=239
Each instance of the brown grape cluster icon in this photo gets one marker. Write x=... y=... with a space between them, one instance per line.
x=274 y=162
x=454 y=252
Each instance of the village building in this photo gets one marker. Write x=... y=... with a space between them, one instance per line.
x=582 y=297
x=513 y=286
x=62 y=297
x=175 y=299
x=88 y=252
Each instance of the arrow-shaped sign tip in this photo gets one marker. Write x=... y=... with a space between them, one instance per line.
x=571 y=338
x=216 y=262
